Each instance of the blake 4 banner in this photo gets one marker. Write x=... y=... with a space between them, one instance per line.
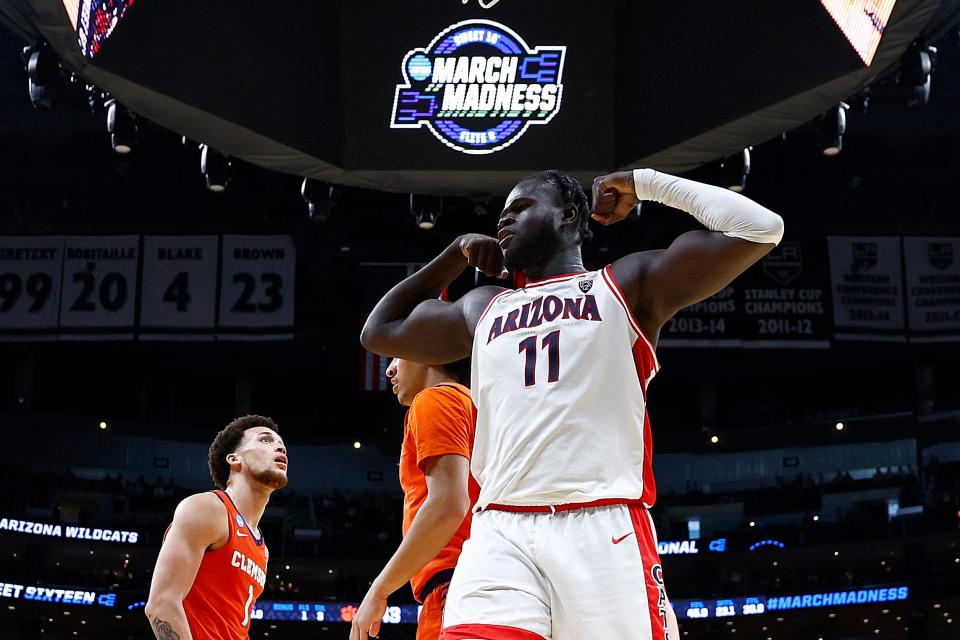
x=30 y=278
x=179 y=283
x=932 y=268
x=867 y=282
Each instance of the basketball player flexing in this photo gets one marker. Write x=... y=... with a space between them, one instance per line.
x=435 y=476
x=560 y=375
x=213 y=563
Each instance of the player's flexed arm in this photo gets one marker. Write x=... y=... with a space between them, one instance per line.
x=411 y=323
x=199 y=523
x=699 y=263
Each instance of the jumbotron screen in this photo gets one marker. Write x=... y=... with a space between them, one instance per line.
x=862 y=22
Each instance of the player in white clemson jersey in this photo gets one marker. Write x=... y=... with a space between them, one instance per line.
x=562 y=546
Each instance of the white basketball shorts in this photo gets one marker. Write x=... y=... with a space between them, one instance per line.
x=577 y=574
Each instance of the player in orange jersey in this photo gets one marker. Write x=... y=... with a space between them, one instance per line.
x=435 y=476
x=213 y=563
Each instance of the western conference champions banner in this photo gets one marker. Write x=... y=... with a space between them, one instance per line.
x=867 y=283
x=932 y=267
x=155 y=287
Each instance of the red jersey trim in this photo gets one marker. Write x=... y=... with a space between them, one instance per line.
x=554 y=279
x=622 y=299
x=570 y=506
x=221 y=494
x=652 y=570
x=488 y=631
x=226 y=508
x=490 y=304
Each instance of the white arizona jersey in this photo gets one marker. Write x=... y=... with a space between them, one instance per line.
x=560 y=372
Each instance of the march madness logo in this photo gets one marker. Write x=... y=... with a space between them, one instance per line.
x=478 y=87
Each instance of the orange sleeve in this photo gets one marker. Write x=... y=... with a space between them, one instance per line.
x=440 y=424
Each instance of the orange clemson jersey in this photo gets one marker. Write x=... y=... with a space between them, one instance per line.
x=440 y=422
x=230 y=579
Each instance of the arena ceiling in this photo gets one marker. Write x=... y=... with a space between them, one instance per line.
x=366 y=94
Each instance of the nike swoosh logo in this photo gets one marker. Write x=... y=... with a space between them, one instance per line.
x=241 y=533
x=620 y=539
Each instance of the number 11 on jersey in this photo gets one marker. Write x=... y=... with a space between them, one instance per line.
x=528 y=346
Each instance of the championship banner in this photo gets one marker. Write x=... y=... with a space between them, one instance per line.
x=715 y=322
x=179 y=298
x=867 y=283
x=30 y=277
x=99 y=292
x=784 y=298
x=257 y=286
x=933 y=288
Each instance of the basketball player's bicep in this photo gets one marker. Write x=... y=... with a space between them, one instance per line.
x=697 y=265
x=197 y=524
x=177 y=567
x=435 y=332
x=447 y=480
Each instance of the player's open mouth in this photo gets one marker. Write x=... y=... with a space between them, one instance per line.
x=281 y=461
x=505 y=237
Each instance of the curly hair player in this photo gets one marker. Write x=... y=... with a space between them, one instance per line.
x=213 y=563
x=562 y=546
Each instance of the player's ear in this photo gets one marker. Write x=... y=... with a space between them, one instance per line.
x=232 y=459
x=568 y=215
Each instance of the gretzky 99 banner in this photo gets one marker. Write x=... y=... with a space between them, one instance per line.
x=30 y=277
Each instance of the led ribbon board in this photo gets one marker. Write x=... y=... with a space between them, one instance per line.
x=56 y=595
x=67 y=531
x=729 y=607
x=478 y=87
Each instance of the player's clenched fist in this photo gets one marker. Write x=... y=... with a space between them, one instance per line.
x=484 y=253
x=614 y=197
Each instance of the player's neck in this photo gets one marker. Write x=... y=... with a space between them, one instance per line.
x=250 y=499
x=435 y=377
x=566 y=260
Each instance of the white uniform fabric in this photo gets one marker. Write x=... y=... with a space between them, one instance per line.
x=559 y=376
x=582 y=574
x=716 y=208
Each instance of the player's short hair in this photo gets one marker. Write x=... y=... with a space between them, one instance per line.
x=459 y=370
x=570 y=192
x=227 y=442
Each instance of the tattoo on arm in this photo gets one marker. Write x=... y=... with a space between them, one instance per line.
x=163 y=630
